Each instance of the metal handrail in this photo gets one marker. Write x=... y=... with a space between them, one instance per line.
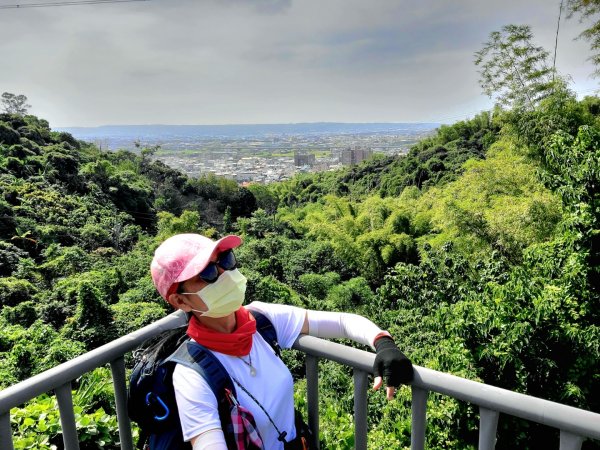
x=574 y=424
x=70 y=370
x=59 y=379
x=571 y=421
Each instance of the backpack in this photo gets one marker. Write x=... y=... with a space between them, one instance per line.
x=151 y=397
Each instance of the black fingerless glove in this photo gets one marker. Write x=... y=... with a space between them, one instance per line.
x=391 y=363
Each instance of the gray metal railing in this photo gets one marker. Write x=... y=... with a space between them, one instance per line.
x=574 y=424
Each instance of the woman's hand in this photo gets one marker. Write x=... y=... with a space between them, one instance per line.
x=392 y=364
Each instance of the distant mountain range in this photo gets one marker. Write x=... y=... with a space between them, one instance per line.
x=184 y=137
x=152 y=132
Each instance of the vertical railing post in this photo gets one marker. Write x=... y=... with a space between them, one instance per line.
x=488 y=424
x=312 y=396
x=5 y=432
x=67 y=416
x=117 y=368
x=570 y=441
x=419 y=409
x=360 y=409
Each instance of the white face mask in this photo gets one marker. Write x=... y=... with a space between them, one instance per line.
x=224 y=296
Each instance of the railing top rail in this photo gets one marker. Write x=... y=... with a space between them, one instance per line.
x=64 y=373
x=553 y=414
x=563 y=417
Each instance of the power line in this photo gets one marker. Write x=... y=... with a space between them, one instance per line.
x=556 y=40
x=69 y=3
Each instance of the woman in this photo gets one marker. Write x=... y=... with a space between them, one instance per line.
x=200 y=276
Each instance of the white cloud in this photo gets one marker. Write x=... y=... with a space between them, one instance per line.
x=240 y=61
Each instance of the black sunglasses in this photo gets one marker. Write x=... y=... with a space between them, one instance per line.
x=225 y=260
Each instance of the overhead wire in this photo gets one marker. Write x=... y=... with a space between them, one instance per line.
x=65 y=3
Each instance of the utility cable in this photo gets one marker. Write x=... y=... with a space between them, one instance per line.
x=65 y=3
x=556 y=40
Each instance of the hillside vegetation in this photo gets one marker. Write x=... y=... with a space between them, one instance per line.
x=479 y=251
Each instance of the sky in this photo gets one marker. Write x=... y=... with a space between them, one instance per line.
x=266 y=61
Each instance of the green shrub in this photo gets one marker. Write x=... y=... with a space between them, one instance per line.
x=8 y=135
x=142 y=291
x=270 y=290
x=129 y=317
x=349 y=295
x=23 y=314
x=318 y=285
x=14 y=291
x=37 y=426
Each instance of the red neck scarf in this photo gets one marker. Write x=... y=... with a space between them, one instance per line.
x=236 y=343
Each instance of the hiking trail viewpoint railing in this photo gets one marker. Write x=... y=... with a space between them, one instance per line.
x=575 y=425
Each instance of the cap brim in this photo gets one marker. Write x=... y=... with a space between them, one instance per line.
x=200 y=261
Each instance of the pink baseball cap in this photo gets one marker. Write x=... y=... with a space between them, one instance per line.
x=184 y=255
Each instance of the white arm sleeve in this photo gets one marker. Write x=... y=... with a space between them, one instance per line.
x=210 y=440
x=343 y=325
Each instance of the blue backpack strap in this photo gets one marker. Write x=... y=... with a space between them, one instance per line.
x=267 y=331
x=197 y=357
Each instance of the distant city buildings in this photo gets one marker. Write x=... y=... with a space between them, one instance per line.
x=352 y=156
x=260 y=153
x=276 y=159
x=304 y=159
x=244 y=167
